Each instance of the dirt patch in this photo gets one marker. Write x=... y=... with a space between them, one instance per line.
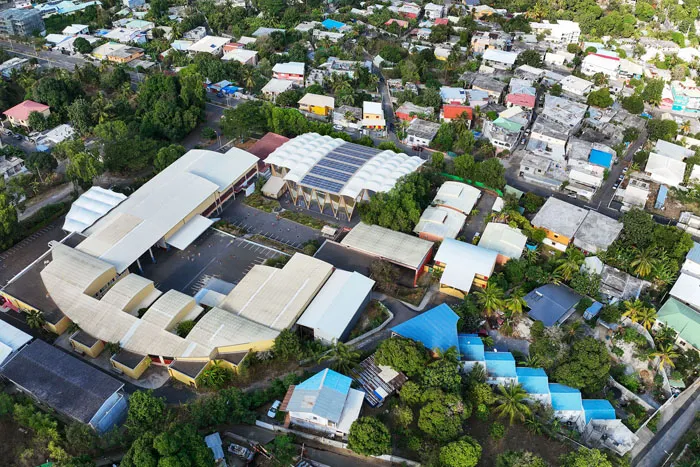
x=672 y=207
x=373 y=316
x=15 y=441
x=517 y=438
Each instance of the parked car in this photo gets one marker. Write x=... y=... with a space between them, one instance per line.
x=241 y=451
x=615 y=186
x=272 y=413
x=624 y=171
x=620 y=178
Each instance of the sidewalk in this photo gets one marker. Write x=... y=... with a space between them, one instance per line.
x=56 y=195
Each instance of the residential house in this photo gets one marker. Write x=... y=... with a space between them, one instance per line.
x=597 y=232
x=421 y=132
x=691 y=265
x=200 y=32
x=560 y=33
x=503 y=133
x=433 y=11
x=563 y=111
x=630 y=70
x=487 y=40
x=477 y=98
x=457 y=196
x=560 y=221
x=263 y=32
x=543 y=171
x=576 y=87
x=536 y=383
x=134 y=4
x=567 y=404
x=408 y=10
x=558 y=58
x=463 y=265
x=290 y=71
x=373 y=116
x=500 y=368
x=529 y=73
x=690 y=223
x=682 y=319
x=243 y=56
x=348 y=117
x=493 y=87
x=11 y=341
x=438 y=223
x=448 y=112
x=522 y=94
x=499 y=59
x=328 y=35
x=324 y=403
x=275 y=87
x=671 y=150
x=378 y=381
x=548 y=139
x=593 y=64
x=9 y=66
x=19 y=114
x=665 y=170
x=552 y=304
x=686 y=97
x=213 y=45
x=505 y=240
x=584 y=178
x=75 y=29
x=409 y=111
x=317 y=104
x=11 y=166
x=686 y=289
x=634 y=195
x=452 y=95
x=431 y=328
x=619 y=285
x=117 y=53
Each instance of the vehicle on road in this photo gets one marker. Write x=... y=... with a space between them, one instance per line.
x=620 y=178
x=18 y=137
x=624 y=171
x=272 y=413
x=241 y=451
x=476 y=237
x=615 y=186
x=572 y=195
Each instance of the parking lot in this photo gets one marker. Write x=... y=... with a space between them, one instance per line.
x=214 y=255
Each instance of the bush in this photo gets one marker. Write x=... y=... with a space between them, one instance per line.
x=369 y=436
x=208 y=133
x=482 y=412
x=184 y=327
x=497 y=430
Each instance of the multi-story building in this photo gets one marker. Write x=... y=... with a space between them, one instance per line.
x=686 y=98
x=561 y=32
x=291 y=71
x=16 y=22
x=373 y=116
x=596 y=63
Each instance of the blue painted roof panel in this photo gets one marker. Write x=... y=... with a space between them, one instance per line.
x=661 y=197
x=327 y=379
x=694 y=253
x=500 y=364
x=533 y=380
x=471 y=348
x=598 y=409
x=565 y=397
x=435 y=329
x=601 y=158
x=332 y=24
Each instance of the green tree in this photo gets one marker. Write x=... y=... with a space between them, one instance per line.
x=510 y=402
x=463 y=453
x=82 y=168
x=343 y=358
x=35 y=319
x=464 y=166
x=411 y=393
x=600 y=98
x=370 y=437
x=37 y=121
x=82 y=46
x=184 y=327
x=287 y=346
x=490 y=298
x=556 y=88
x=180 y=445
x=215 y=377
x=442 y=416
x=167 y=155
x=638 y=228
x=402 y=415
x=442 y=374
x=491 y=172
x=80 y=115
x=288 y=98
x=403 y=355
x=662 y=129
x=587 y=366
x=644 y=11
x=644 y=261
x=532 y=202
x=633 y=104
x=520 y=459
x=529 y=57
x=653 y=91
x=146 y=412
x=515 y=302
x=585 y=457
x=570 y=263
x=666 y=354
x=585 y=284
x=42 y=163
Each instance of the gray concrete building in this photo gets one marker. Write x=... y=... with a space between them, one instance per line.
x=16 y=22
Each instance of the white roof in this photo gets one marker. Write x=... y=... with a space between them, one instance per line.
x=160 y=205
x=276 y=86
x=337 y=303
x=576 y=84
x=440 y=222
x=209 y=44
x=246 y=40
x=393 y=246
x=674 y=151
x=317 y=100
x=56 y=38
x=599 y=61
x=291 y=68
x=189 y=232
x=687 y=290
x=458 y=196
x=500 y=56
x=462 y=262
x=240 y=55
x=503 y=239
x=351 y=410
x=665 y=170
x=559 y=217
x=11 y=340
x=378 y=174
x=89 y=207
x=74 y=29
x=374 y=108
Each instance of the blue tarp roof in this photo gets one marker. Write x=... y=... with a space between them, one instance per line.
x=661 y=197
x=327 y=379
x=598 y=409
x=500 y=364
x=435 y=329
x=471 y=347
x=533 y=380
x=593 y=310
x=213 y=441
x=332 y=24
x=601 y=158
x=565 y=397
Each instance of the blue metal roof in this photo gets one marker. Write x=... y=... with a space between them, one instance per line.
x=565 y=397
x=661 y=197
x=327 y=379
x=471 y=348
x=213 y=441
x=435 y=329
x=601 y=158
x=332 y=24
x=550 y=303
x=593 y=310
x=500 y=364
x=533 y=380
x=694 y=253
x=598 y=409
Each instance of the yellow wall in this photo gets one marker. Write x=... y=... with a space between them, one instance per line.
x=60 y=327
x=134 y=373
x=315 y=109
x=555 y=237
x=453 y=292
x=186 y=379
x=259 y=346
x=57 y=328
x=93 y=351
x=104 y=279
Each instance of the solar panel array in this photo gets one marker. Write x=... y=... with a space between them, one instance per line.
x=337 y=167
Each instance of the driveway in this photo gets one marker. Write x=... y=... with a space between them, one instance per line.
x=477 y=223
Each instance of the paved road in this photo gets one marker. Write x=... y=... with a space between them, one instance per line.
x=478 y=223
x=656 y=452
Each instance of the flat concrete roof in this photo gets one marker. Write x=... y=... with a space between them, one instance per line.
x=559 y=217
x=397 y=247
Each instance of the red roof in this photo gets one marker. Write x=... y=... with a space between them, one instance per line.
x=22 y=111
x=267 y=144
x=523 y=100
x=610 y=57
x=442 y=21
x=453 y=111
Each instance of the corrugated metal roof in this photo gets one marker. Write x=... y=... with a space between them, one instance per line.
x=533 y=380
x=565 y=397
x=463 y=261
x=89 y=207
x=213 y=442
x=503 y=239
x=681 y=318
x=189 y=232
x=395 y=246
x=500 y=364
x=550 y=303
x=471 y=348
x=694 y=253
x=323 y=394
x=598 y=409
x=435 y=328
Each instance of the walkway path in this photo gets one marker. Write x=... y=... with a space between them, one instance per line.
x=56 y=195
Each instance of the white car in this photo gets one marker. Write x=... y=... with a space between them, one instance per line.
x=272 y=413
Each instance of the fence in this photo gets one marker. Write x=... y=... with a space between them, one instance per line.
x=473 y=183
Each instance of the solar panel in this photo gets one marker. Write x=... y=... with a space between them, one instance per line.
x=321 y=184
x=354 y=153
x=360 y=149
x=346 y=159
x=338 y=166
x=331 y=174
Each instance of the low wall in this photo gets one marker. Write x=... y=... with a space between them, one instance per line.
x=629 y=395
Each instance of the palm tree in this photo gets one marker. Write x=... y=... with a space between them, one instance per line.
x=644 y=261
x=665 y=335
x=344 y=358
x=345 y=99
x=249 y=78
x=461 y=123
x=490 y=298
x=532 y=361
x=487 y=341
x=515 y=301
x=663 y=273
x=35 y=319
x=633 y=309
x=685 y=127
x=572 y=332
x=511 y=402
x=666 y=354
x=531 y=256
x=450 y=354
x=569 y=264
x=533 y=425
x=647 y=317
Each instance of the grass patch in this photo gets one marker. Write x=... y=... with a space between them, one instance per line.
x=228 y=227
x=373 y=316
x=258 y=201
x=305 y=219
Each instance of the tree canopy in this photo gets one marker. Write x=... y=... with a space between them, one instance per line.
x=587 y=366
x=463 y=453
x=369 y=436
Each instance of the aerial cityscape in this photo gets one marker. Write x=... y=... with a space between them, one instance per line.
x=340 y=233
